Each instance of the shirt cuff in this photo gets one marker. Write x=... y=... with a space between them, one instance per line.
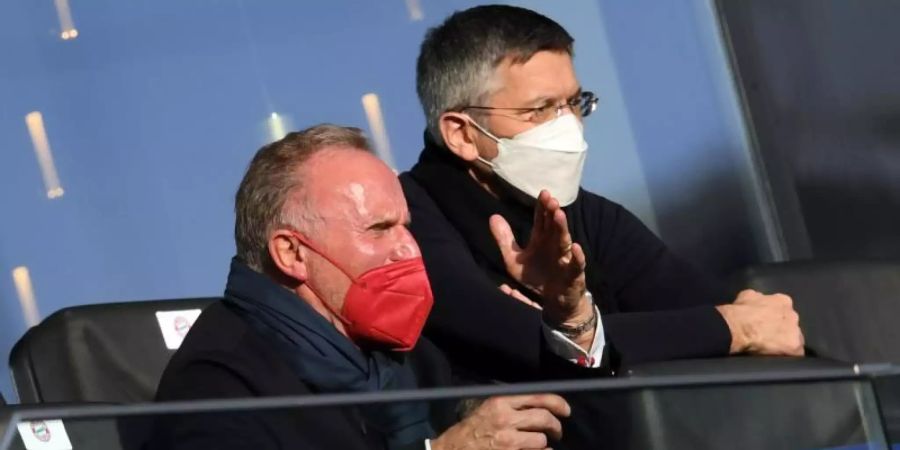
x=427 y=444
x=562 y=346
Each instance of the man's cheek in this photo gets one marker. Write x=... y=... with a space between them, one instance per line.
x=366 y=248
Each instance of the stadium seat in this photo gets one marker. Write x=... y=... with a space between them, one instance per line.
x=111 y=353
x=847 y=312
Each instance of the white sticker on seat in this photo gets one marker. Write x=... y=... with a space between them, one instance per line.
x=175 y=325
x=44 y=435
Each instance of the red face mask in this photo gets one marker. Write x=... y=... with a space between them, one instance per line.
x=386 y=306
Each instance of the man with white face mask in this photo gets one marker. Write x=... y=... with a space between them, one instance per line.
x=528 y=269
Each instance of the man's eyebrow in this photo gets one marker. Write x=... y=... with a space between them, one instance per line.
x=544 y=100
x=383 y=224
x=540 y=101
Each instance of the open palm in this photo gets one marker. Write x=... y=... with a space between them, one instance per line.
x=550 y=264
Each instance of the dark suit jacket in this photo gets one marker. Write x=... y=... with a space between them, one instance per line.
x=654 y=306
x=222 y=357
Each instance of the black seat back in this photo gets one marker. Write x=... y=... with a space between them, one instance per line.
x=112 y=352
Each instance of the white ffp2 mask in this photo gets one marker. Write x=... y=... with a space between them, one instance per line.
x=549 y=156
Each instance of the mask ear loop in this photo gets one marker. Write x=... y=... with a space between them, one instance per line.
x=483 y=130
x=303 y=240
x=488 y=134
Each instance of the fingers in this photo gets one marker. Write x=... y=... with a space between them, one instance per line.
x=578 y=258
x=783 y=300
x=522 y=421
x=747 y=294
x=551 y=210
x=802 y=344
x=797 y=341
x=551 y=226
x=504 y=236
x=519 y=296
x=540 y=212
x=559 y=229
x=554 y=216
x=520 y=440
x=799 y=345
x=544 y=210
x=795 y=345
x=540 y=420
x=551 y=402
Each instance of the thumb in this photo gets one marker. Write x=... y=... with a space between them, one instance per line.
x=505 y=239
x=747 y=295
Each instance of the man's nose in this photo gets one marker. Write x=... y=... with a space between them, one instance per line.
x=406 y=247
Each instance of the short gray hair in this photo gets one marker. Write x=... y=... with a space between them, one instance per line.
x=273 y=176
x=458 y=58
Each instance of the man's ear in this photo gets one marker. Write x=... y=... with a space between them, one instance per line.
x=458 y=135
x=288 y=256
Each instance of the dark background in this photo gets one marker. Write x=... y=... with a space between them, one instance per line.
x=822 y=84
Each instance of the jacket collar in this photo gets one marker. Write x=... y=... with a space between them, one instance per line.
x=291 y=317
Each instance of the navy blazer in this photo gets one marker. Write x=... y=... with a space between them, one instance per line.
x=223 y=357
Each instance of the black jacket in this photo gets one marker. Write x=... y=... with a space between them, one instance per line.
x=222 y=357
x=654 y=305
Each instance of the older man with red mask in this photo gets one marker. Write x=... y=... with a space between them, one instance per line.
x=326 y=294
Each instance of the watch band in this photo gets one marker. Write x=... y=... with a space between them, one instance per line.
x=573 y=331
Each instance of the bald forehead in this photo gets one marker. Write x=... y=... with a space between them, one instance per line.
x=343 y=164
x=336 y=173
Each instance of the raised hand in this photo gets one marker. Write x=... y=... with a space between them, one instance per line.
x=551 y=264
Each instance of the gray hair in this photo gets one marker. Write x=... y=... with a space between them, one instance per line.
x=275 y=174
x=458 y=59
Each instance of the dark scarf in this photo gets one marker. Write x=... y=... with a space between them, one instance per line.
x=468 y=206
x=324 y=358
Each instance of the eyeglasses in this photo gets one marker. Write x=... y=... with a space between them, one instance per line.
x=582 y=105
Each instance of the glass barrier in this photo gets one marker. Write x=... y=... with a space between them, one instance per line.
x=887 y=391
x=852 y=408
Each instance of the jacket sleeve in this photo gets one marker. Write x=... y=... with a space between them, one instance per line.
x=665 y=307
x=482 y=330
